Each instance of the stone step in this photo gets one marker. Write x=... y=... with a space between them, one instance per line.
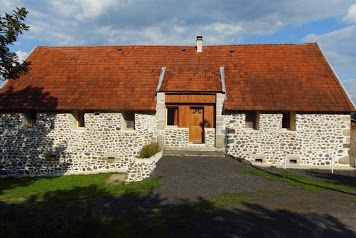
x=198 y=153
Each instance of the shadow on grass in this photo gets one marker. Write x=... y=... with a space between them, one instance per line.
x=349 y=178
x=149 y=215
x=331 y=182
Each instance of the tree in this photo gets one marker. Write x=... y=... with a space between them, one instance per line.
x=353 y=116
x=11 y=26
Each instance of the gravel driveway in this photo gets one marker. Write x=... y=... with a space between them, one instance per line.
x=283 y=210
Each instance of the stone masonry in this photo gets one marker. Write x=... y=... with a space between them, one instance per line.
x=317 y=138
x=56 y=147
x=179 y=137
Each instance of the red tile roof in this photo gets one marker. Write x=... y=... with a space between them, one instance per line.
x=258 y=77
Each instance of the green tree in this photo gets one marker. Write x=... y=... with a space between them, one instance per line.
x=353 y=116
x=11 y=26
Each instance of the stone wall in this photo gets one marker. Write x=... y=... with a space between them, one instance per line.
x=316 y=139
x=353 y=144
x=209 y=137
x=176 y=137
x=140 y=169
x=179 y=137
x=56 y=147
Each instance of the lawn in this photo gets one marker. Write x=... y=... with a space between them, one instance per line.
x=69 y=188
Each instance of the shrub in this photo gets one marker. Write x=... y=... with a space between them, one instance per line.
x=149 y=150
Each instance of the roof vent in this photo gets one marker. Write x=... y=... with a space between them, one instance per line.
x=232 y=52
x=199 y=43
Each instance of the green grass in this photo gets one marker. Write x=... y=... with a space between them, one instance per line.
x=232 y=198
x=303 y=182
x=68 y=188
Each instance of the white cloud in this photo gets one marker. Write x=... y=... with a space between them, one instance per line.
x=8 y=6
x=70 y=22
x=225 y=29
x=22 y=55
x=351 y=14
x=339 y=47
x=93 y=8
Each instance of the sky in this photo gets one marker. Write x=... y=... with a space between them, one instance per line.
x=330 y=23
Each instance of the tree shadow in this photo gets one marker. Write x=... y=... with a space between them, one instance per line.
x=135 y=215
x=24 y=150
x=28 y=98
x=342 y=179
x=348 y=178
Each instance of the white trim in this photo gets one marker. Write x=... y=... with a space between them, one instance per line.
x=222 y=75
x=161 y=76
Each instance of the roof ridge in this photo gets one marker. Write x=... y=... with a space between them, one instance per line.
x=192 y=46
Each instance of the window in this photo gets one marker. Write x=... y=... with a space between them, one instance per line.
x=129 y=118
x=79 y=117
x=251 y=120
x=172 y=116
x=288 y=120
x=30 y=119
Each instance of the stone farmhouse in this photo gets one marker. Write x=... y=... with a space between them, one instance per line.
x=91 y=109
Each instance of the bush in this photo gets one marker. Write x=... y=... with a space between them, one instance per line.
x=149 y=150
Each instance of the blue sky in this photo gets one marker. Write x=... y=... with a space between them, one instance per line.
x=331 y=23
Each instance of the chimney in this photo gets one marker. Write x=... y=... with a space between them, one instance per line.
x=199 y=43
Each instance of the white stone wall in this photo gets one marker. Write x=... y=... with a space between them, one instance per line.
x=316 y=139
x=24 y=151
x=209 y=137
x=179 y=137
x=174 y=136
x=140 y=169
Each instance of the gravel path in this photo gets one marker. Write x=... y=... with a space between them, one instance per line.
x=204 y=177
x=286 y=210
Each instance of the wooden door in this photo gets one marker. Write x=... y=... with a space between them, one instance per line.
x=196 y=126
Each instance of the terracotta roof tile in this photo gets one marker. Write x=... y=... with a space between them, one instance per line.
x=258 y=77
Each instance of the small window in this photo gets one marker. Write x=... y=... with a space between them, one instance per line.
x=288 y=120
x=79 y=117
x=129 y=118
x=30 y=119
x=52 y=157
x=251 y=120
x=172 y=116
